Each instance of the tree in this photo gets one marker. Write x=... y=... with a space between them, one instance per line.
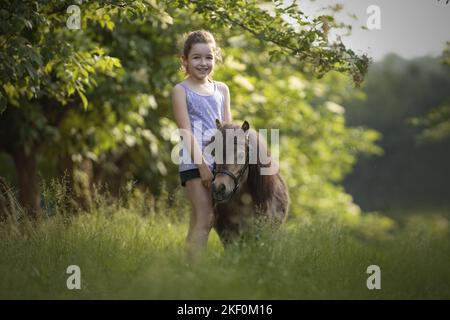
x=79 y=99
x=45 y=72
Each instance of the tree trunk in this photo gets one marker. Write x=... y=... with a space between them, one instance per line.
x=30 y=193
x=83 y=181
x=78 y=177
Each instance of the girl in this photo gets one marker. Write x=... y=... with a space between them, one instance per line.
x=199 y=101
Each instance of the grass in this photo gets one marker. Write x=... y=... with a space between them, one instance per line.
x=124 y=254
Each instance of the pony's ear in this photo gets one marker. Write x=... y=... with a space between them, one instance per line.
x=245 y=126
x=218 y=124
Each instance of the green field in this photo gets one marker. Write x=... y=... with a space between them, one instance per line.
x=126 y=251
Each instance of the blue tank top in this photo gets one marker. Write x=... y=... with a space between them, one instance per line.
x=203 y=111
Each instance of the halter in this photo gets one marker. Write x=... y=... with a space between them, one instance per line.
x=236 y=179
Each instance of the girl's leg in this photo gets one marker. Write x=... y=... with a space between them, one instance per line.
x=191 y=223
x=202 y=216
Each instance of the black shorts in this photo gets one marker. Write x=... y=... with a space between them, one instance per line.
x=189 y=175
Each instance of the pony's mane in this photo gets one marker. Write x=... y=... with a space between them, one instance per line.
x=261 y=187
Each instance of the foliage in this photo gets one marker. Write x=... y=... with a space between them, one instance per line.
x=286 y=26
x=42 y=57
x=436 y=124
x=317 y=150
x=100 y=108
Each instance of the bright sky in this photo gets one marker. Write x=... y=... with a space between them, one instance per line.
x=409 y=28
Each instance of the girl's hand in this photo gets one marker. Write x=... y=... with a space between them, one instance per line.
x=206 y=175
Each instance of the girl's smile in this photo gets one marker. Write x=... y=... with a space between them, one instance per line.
x=200 y=61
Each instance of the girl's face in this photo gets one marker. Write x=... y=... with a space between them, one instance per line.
x=200 y=60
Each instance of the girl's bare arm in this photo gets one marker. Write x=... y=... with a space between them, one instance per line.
x=182 y=120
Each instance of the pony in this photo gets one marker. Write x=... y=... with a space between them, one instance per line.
x=243 y=197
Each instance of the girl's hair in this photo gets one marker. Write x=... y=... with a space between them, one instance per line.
x=200 y=36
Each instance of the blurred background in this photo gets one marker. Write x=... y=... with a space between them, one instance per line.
x=361 y=99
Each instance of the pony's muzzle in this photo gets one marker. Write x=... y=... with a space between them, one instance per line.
x=218 y=190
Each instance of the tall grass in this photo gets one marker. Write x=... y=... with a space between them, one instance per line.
x=133 y=248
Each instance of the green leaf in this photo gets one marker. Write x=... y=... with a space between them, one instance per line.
x=70 y=90
x=110 y=25
x=83 y=98
x=2 y=103
x=36 y=58
x=116 y=62
x=31 y=70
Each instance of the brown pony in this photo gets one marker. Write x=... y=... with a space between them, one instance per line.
x=242 y=196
